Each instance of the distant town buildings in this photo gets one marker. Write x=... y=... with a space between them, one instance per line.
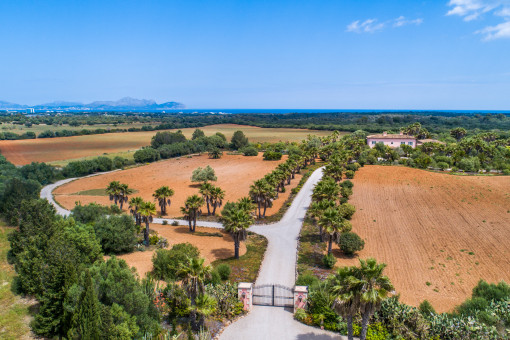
x=30 y=110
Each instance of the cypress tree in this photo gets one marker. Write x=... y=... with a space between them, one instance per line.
x=89 y=311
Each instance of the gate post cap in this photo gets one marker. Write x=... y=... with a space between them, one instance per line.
x=245 y=285
x=301 y=289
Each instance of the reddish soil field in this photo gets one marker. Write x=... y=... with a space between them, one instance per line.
x=438 y=233
x=211 y=247
x=235 y=175
x=22 y=152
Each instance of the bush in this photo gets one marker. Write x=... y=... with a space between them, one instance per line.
x=250 y=151
x=88 y=213
x=329 y=261
x=347 y=210
x=272 y=155
x=224 y=270
x=346 y=184
x=168 y=261
x=175 y=223
x=307 y=280
x=350 y=243
x=426 y=308
x=471 y=164
x=203 y=174
x=300 y=315
x=349 y=174
x=491 y=291
x=116 y=234
x=238 y=140
x=442 y=165
x=146 y=155
x=165 y=222
x=215 y=278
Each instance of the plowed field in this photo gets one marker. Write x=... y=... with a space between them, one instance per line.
x=22 y=152
x=438 y=233
x=235 y=175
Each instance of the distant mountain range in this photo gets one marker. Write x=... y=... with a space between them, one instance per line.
x=123 y=104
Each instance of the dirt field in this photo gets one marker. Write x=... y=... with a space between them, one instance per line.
x=235 y=175
x=22 y=152
x=211 y=247
x=438 y=233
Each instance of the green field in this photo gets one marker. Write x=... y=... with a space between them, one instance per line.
x=37 y=129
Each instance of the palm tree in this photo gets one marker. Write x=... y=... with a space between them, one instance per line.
x=332 y=225
x=134 y=208
x=334 y=171
x=317 y=209
x=147 y=210
x=246 y=204
x=113 y=191
x=326 y=189
x=194 y=274
x=216 y=197
x=204 y=306
x=236 y=221
x=163 y=195
x=191 y=210
x=263 y=195
x=205 y=190
x=123 y=194
x=363 y=289
x=347 y=301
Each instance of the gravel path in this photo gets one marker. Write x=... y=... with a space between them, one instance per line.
x=278 y=267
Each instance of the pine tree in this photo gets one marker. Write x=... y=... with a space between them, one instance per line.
x=89 y=311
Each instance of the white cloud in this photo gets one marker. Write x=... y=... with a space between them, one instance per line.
x=403 y=21
x=473 y=9
x=496 y=32
x=367 y=26
x=373 y=25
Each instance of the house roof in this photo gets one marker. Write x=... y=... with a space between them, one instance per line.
x=391 y=136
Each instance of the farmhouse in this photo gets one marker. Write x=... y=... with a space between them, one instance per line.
x=391 y=140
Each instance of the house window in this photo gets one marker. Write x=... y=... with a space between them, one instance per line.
x=391 y=143
x=410 y=143
x=373 y=142
x=402 y=143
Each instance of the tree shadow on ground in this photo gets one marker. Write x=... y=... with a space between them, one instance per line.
x=223 y=253
x=340 y=255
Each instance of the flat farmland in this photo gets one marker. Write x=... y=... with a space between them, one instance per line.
x=56 y=150
x=235 y=175
x=439 y=234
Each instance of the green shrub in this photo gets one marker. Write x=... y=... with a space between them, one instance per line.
x=224 y=270
x=153 y=240
x=250 y=151
x=167 y=262
x=352 y=166
x=270 y=155
x=491 y=291
x=442 y=165
x=426 y=308
x=471 y=306
x=350 y=243
x=347 y=184
x=307 y=280
x=89 y=213
x=165 y=222
x=146 y=155
x=300 y=315
x=215 y=278
x=349 y=174
x=116 y=234
x=175 y=223
x=329 y=261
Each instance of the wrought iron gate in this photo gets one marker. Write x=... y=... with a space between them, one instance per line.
x=273 y=295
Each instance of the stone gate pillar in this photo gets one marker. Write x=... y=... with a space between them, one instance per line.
x=245 y=294
x=300 y=297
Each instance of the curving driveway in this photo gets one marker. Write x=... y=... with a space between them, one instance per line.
x=278 y=267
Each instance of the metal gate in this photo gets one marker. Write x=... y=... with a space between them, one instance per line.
x=273 y=295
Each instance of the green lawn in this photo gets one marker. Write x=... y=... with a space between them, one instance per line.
x=14 y=311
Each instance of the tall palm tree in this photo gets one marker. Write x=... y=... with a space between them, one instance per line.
x=191 y=210
x=332 y=225
x=113 y=191
x=205 y=190
x=334 y=171
x=147 y=210
x=163 y=195
x=263 y=195
x=134 y=208
x=374 y=287
x=347 y=301
x=236 y=221
x=216 y=197
x=194 y=274
x=317 y=209
x=326 y=189
x=124 y=192
x=246 y=204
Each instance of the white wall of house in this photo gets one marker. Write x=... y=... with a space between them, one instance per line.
x=392 y=142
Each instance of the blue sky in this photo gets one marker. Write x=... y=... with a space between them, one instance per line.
x=259 y=54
